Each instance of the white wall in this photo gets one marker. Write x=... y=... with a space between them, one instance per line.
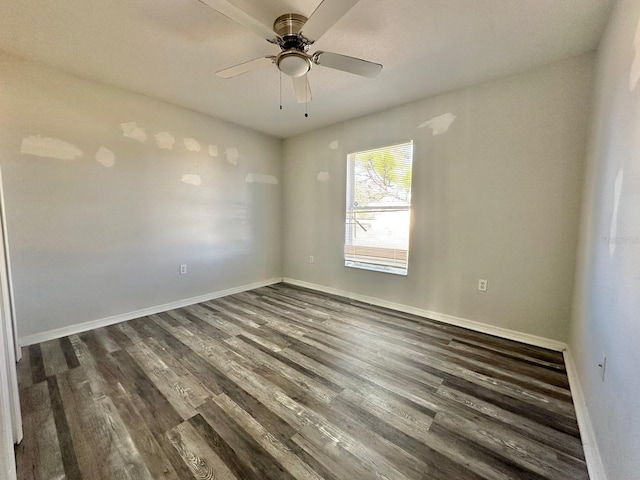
x=90 y=241
x=496 y=196
x=606 y=316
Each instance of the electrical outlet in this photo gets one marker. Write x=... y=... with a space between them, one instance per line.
x=482 y=285
x=310 y=258
x=603 y=366
x=183 y=269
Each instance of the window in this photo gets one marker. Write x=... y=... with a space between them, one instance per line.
x=378 y=213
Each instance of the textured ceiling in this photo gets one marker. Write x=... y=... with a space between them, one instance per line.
x=170 y=49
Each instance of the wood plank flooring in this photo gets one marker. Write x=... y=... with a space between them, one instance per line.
x=287 y=383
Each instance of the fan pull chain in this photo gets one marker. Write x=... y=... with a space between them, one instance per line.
x=280 y=90
x=306 y=100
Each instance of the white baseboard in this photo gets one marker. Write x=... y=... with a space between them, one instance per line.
x=589 y=443
x=441 y=317
x=104 y=322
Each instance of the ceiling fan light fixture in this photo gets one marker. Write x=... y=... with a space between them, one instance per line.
x=293 y=63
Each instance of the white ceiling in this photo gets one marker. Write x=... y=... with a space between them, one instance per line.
x=170 y=49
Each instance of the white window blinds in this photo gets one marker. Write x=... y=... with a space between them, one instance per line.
x=378 y=211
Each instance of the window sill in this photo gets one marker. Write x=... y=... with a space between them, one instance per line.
x=376 y=268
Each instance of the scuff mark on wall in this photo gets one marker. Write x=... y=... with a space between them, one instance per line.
x=213 y=150
x=439 y=124
x=132 y=130
x=613 y=229
x=165 y=140
x=105 y=157
x=323 y=176
x=232 y=155
x=634 y=76
x=334 y=145
x=191 y=179
x=192 y=144
x=49 y=148
x=261 y=178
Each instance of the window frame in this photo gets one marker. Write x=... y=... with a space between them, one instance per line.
x=397 y=262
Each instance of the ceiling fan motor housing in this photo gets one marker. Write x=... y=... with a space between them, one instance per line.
x=289 y=24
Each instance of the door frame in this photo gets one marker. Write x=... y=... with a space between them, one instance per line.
x=10 y=415
x=7 y=434
x=7 y=260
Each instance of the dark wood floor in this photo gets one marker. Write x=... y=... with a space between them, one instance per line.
x=287 y=383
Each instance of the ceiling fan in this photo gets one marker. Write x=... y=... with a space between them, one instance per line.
x=294 y=34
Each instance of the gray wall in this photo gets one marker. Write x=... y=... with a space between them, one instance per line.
x=606 y=316
x=496 y=196
x=90 y=241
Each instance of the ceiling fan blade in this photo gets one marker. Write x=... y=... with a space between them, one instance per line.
x=323 y=18
x=245 y=67
x=347 y=64
x=243 y=18
x=302 y=89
